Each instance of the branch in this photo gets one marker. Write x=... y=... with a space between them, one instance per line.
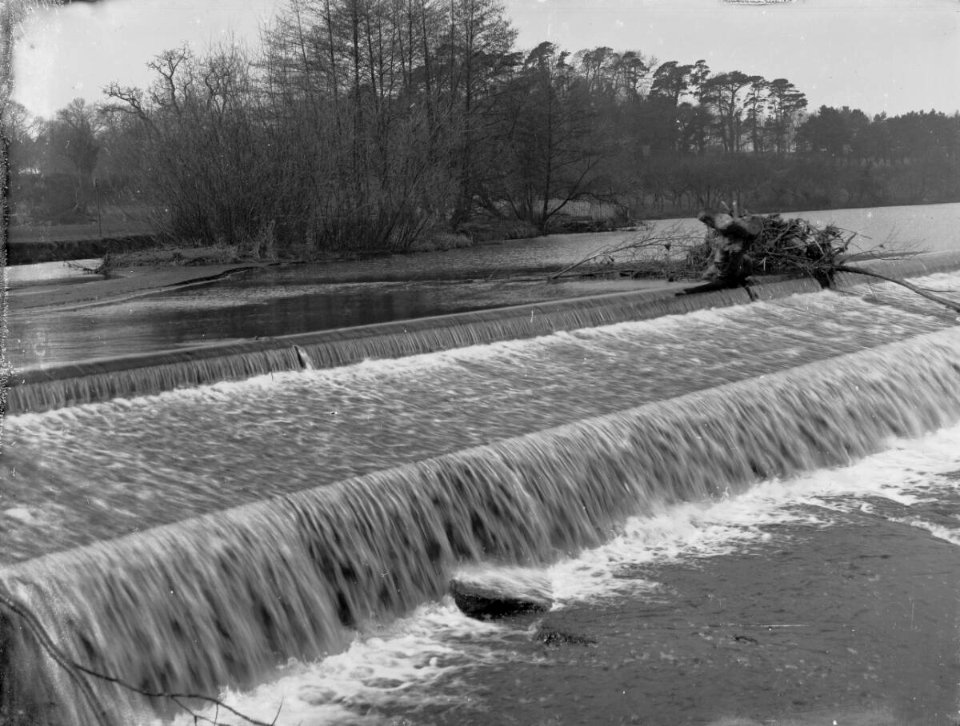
x=74 y=669
x=175 y=697
x=903 y=283
x=647 y=240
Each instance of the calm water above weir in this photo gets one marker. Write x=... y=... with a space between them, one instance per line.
x=305 y=298
x=263 y=304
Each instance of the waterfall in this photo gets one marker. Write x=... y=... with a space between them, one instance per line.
x=224 y=598
x=140 y=375
x=52 y=387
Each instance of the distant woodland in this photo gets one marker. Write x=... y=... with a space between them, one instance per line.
x=372 y=124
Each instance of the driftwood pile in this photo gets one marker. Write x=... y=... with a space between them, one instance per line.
x=736 y=248
x=770 y=245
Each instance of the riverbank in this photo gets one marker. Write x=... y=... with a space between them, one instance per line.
x=129 y=243
x=205 y=303
x=140 y=243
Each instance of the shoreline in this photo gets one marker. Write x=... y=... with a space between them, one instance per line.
x=89 y=244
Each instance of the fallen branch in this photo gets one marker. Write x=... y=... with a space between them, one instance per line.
x=955 y=306
x=79 y=673
x=669 y=244
x=34 y=626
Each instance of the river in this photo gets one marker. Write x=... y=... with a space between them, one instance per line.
x=301 y=298
x=746 y=516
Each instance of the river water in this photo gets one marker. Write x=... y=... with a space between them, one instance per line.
x=825 y=598
x=112 y=468
x=746 y=515
x=302 y=298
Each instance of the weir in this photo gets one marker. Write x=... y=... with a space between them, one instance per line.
x=67 y=385
x=221 y=599
x=42 y=389
x=224 y=598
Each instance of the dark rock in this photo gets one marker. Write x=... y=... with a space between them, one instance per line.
x=494 y=595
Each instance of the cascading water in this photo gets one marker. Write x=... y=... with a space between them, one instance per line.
x=48 y=387
x=222 y=598
x=362 y=489
x=66 y=385
x=130 y=464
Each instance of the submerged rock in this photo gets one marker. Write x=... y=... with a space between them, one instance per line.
x=554 y=637
x=489 y=595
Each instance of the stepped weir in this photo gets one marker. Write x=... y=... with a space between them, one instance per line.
x=222 y=571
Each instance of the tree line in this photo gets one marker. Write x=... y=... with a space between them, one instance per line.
x=369 y=124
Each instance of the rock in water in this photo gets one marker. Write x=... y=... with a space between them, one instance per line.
x=488 y=595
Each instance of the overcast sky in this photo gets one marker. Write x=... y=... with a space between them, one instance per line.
x=877 y=55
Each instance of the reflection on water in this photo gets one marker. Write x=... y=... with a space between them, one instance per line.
x=260 y=306
x=278 y=301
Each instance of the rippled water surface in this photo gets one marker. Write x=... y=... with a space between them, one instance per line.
x=101 y=470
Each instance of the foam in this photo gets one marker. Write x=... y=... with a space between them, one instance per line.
x=418 y=660
x=386 y=666
x=837 y=316
x=904 y=474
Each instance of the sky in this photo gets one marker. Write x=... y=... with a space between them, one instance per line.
x=888 y=56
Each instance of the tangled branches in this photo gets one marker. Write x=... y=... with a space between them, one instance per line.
x=653 y=251
x=770 y=244
x=744 y=245
x=737 y=247
x=791 y=246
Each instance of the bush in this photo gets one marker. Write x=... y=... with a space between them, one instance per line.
x=261 y=245
x=442 y=241
x=492 y=229
x=50 y=198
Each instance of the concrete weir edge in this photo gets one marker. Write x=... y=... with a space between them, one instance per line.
x=96 y=381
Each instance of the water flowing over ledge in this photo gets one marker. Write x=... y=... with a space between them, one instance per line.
x=66 y=385
x=138 y=375
x=223 y=598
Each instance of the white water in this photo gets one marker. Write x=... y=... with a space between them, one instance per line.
x=110 y=464
x=559 y=379
x=400 y=666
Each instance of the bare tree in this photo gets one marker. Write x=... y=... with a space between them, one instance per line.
x=74 y=136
